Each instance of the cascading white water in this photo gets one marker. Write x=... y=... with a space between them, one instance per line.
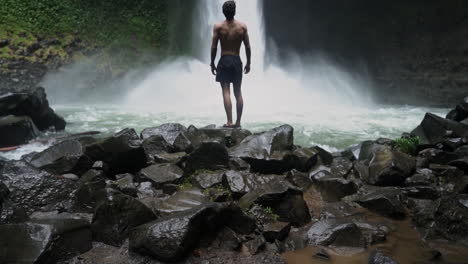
x=186 y=85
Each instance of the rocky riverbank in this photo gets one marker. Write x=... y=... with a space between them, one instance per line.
x=213 y=195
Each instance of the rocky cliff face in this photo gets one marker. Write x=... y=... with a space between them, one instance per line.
x=413 y=50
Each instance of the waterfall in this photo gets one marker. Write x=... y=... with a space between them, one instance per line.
x=306 y=85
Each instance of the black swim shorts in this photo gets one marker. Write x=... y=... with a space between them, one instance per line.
x=229 y=69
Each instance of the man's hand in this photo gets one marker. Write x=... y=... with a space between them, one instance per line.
x=247 y=69
x=213 y=69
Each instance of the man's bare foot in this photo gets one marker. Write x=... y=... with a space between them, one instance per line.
x=228 y=125
x=237 y=125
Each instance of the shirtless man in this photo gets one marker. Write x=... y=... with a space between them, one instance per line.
x=231 y=33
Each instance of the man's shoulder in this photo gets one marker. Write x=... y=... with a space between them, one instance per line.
x=242 y=24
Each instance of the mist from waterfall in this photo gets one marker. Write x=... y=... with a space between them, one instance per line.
x=305 y=84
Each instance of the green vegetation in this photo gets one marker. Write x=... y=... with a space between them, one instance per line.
x=122 y=30
x=269 y=212
x=408 y=145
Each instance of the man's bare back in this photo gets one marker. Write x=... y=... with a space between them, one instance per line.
x=231 y=33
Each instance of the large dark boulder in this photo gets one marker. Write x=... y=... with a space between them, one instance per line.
x=390 y=167
x=208 y=156
x=335 y=232
x=32 y=103
x=225 y=136
x=115 y=215
x=89 y=191
x=332 y=187
x=384 y=201
x=434 y=129
x=161 y=174
x=155 y=146
x=450 y=217
x=267 y=152
x=122 y=152
x=174 y=134
x=65 y=157
x=34 y=189
x=460 y=112
x=242 y=182
x=171 y=238
x=207 y=179
x=47 y=238
x=178 y=202
x=284 y=199
x=16 y=130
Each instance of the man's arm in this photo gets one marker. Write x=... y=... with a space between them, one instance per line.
x=214 y=48
x=248 y=51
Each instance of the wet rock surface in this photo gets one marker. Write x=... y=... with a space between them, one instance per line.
x=65 y=157
x=266 y=152
x=33 y=189
x=32 y=103
x=199 y=194
x=16 y=130
x=46 y=238
x=116 y=215
x=122 y=152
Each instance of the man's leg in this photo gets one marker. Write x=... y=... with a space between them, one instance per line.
x=239 y=102
x=227 y=102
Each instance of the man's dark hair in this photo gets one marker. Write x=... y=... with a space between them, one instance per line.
x=229 y=9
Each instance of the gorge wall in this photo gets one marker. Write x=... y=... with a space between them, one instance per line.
x=414 y=51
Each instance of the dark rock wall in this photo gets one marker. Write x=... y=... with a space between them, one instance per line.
x=415 y=51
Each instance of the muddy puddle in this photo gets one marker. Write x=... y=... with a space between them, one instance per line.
x=403 y=244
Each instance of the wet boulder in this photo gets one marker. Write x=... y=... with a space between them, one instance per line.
x=434 y=129
x=378 y=257
x=461 y=164
x=242 y=182
x=32 y=103
x=384 y=201
x=208 y=156
x=122 y=152
x=47 y=238
x=178 y=202
x=450 y=217
x=341 y=167
x=65 y=157
x=174 y=134
x=154 y=146
x=171 y=238
x=11 y=213
x=125 y=184
x=367 y=149
x=161 y=174
x=225 y=136
x=333 y=188
x=34 y=189
x=276 y=231
x=460 y=112
x=335 y=232
x=207 y=179
x=390 y=167
x=423 y=177
x=299 y=179
x=284 y=199
x=303 y=159
x=89 y=191
x=266 y=152
x=16 y=130
x=115 y=215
